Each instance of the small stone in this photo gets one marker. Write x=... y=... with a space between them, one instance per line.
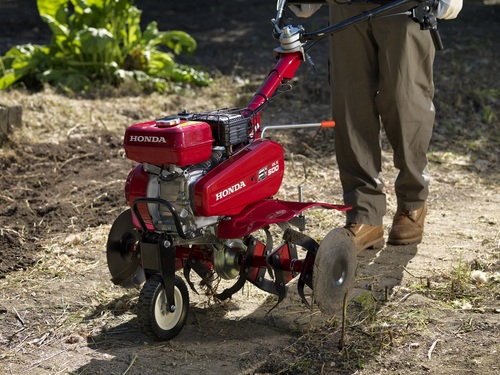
x=479 y=277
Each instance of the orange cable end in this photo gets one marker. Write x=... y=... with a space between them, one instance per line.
x=327 y=124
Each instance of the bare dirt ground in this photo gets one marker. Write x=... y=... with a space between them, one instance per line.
x=427 y=309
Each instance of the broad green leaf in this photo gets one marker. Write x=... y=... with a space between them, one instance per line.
x=8 y=79
x=22 y=60
x=95 y=41
x=98 y=3
x=151 y=33
x=55 y=9
x=68 y=79
x=178 y=41
x=56 y=27
x=133 y=34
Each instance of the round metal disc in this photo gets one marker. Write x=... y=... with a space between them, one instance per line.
x=123 y=265
x=334 y=270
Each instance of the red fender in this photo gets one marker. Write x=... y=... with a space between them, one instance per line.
x=265 y=212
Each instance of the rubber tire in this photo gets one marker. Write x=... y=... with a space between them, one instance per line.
x=334 y=271
x=154 y=321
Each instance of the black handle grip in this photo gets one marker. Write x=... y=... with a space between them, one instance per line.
x=436 y=38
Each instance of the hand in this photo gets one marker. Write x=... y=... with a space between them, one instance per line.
x=448 y=9
x=306 y=10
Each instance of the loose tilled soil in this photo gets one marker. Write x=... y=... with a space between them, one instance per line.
x=432 y=308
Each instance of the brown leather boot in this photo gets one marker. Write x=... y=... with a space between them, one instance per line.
x=366 y=236
x=408 y=226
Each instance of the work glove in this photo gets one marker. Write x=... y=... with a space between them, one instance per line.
x=448 y=9
x=306 y=10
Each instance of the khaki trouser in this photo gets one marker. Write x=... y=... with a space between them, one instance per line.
x=381 y=75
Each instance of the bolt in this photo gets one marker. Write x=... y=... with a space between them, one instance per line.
x=172 y=308
x=166 y=243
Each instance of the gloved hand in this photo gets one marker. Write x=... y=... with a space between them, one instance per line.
x=448 y=9
x=306 y=10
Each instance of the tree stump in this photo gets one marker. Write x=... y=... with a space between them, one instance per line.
x=10 y=116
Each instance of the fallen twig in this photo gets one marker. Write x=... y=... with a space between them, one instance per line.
x=405 y=297
x=409 y=273
x=19 y=316
x=313 y=151
x=62 y=165
x=130 y=365
x=344 y=328
x=7 y=198
x=429 y=353
x=36 y=364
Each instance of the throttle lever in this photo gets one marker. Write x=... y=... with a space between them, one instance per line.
x=422 y=14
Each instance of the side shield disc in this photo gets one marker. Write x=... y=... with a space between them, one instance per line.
x=334 y=270
x=123 y=263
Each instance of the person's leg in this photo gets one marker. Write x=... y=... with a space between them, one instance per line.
x=354 y=84
x=404 y=101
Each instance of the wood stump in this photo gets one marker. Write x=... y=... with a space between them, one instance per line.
x=10 y=117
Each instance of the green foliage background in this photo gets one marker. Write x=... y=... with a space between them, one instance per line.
x=100 y=41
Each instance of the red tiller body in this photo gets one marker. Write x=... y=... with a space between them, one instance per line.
x=253 y=173
x=136 y=186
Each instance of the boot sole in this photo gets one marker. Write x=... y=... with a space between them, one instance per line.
x=405 y=241
x=374 y=245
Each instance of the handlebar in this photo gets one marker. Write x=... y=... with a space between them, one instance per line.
x=420 y=12
x=295 y=43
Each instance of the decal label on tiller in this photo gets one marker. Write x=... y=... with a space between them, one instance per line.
x=275 y=167
x=268 y=171
x=147 y=138
x=230 y=190
x=262 y=174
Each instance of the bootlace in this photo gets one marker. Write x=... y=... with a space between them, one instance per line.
x=406 y=213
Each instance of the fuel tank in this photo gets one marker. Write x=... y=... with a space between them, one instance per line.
x=253 y=173
x=169 y=141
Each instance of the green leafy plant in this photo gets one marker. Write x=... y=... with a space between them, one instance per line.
x=100 y=41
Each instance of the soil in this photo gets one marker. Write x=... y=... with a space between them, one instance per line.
x=428 y=308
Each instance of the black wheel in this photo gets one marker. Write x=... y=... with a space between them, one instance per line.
x=123 y=263
x=334 y=270
x=154 y=317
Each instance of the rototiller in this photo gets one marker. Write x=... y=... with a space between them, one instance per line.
x=204 y=187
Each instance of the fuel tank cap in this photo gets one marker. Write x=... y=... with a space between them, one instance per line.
x=167 y=122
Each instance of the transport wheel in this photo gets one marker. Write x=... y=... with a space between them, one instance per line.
x=334 y=270
x=123 y=263
x=154 y=316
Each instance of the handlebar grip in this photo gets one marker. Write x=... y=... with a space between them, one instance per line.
x=429 y=22
x=436 y=39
